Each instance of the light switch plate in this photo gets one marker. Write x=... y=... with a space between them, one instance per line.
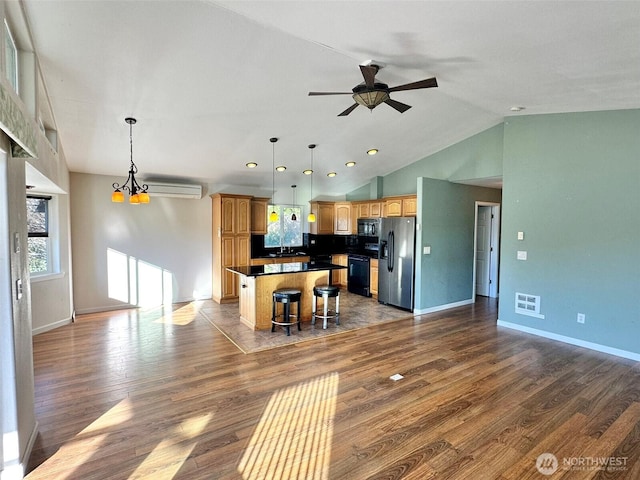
x=427 y=250
x=521 y=255
x=520 y=235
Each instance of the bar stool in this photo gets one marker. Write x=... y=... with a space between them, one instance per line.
x=285 y=296
x=326 y=292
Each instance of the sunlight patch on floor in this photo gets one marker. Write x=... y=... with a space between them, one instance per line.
x=174 y=447
x=293 y=438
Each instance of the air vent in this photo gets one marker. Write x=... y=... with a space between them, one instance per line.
x=527 y=304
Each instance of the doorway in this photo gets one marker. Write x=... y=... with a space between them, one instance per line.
x=486 y=250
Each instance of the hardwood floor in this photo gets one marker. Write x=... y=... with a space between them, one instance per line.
x=162 y=394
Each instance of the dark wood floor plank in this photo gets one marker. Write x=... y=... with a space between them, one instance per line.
x=163 y=394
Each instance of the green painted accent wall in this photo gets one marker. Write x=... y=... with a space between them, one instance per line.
x=447 y=218
x=362 y=193
x=479 y=156
x=572 y=185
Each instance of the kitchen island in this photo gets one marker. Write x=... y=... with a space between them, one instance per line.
x=257 y=283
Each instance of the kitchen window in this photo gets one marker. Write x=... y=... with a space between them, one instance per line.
x=284 y=232
x=39 y=238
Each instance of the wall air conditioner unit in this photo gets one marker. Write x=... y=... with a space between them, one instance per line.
x=175 y=190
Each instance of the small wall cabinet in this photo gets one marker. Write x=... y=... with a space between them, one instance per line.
x=324 y=212
x=259 y=208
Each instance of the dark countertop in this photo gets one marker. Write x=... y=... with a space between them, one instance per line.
x=277 y=268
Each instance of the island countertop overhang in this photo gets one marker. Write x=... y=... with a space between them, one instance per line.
x=279 y=268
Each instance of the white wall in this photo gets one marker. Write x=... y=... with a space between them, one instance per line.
x=167 y=242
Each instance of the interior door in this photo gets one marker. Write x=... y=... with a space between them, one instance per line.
x=483 y=250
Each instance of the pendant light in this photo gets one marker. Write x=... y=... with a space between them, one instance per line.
x=293 y=215
x=311 y=218
x=137 y=194
x=273 y=216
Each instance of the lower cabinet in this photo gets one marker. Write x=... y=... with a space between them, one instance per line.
x=373 y=277
x=339 y=277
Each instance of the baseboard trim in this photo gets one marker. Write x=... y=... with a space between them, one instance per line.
x=51 y=326
x=572 y=341
x=446 y=306
x=29 y=448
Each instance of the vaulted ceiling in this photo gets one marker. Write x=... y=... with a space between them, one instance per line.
x=211 y=81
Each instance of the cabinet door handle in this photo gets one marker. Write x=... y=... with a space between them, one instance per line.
x=244 y=286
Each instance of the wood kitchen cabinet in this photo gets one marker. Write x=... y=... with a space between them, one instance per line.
x=342 y=218
x=259 y=207
x=405 y=206
x=231 y=243
x=324 y=212
x=375 y=209
x=373 y=277
x=339 y=277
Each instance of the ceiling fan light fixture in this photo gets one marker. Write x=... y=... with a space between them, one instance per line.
x=371 y=99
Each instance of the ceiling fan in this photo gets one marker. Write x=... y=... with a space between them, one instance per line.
x=370 y=94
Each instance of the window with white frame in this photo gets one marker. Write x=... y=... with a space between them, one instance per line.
x=39 y=235
x=285 y=231
x=10 y=57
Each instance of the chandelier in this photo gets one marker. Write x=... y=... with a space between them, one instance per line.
x=137 y=194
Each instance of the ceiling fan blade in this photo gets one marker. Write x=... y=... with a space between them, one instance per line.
x=311 y=94
x=428 y=83
x=369 y=74
x=348 y=110
x=399 y=106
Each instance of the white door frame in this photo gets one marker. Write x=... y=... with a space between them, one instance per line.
x=495 y=244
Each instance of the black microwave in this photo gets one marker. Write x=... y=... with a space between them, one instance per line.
x=368 y=227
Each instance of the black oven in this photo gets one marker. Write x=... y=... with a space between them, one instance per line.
x=358 y=275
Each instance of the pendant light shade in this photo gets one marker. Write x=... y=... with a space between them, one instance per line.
x=273 y=216
x=311 y=218
x=294 y=217
x=137 y=194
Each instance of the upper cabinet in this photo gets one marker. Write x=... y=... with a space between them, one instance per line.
x=342 y=218
x=259 y=208
x=405 y=206
x=324 y=218
x=235 y=215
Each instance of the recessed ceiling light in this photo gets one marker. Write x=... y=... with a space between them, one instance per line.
x=331 y=174
x=280 y=168
x=516 y=108
x=251 y=165
x=372 y=151
x=307 y=171
x=350 y=164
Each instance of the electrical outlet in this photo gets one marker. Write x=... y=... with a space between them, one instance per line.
x=581 y=318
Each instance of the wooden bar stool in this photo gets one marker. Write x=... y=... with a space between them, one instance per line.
x=285 y=296
x=326 y=292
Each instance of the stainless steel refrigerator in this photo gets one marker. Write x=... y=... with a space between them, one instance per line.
x=396 y=261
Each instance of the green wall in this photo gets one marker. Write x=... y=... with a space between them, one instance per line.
x=479 y=156
x=447 y=218
x=572 y=185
